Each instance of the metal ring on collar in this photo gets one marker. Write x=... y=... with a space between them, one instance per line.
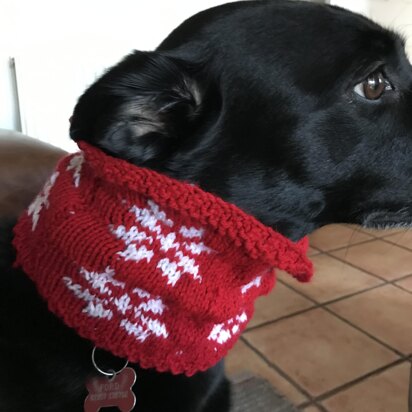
x=110 y=373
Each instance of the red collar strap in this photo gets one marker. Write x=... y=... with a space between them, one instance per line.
x=147 y=267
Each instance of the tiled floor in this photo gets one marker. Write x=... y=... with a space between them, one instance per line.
x=342 y=343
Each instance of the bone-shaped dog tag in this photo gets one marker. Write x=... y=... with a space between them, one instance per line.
x=111 y=391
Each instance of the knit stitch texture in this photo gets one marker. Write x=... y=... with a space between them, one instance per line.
x=147 y=267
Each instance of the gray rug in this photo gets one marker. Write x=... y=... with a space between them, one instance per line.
x=252 y=394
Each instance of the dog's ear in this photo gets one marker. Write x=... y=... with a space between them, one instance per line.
x=140 y=109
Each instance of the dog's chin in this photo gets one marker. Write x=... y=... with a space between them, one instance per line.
x=386 y=219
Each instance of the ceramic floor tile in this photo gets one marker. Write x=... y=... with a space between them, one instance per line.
x=242 y=359
x=282 y=301
x=384 y=312
x=336 y=236
x=311 y=409
x=380 y=258
x=319 y=351
x=406 y=283
x=403 y=238
x=382 y=232
x=386 y=392
x=313 y=251
x=333 y=279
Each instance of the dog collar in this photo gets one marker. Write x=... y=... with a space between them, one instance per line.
x=147 y=267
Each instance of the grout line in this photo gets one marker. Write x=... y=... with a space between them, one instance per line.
x=343 y=297
x=394 y=282
x=277 y=369
x=330 y=393
x=338 y=299
x=357 y=267
x=385 y=281
x=358 y=380
x=396 y=244
x=331 y=312
x=324 y=306
x=401 y=278
x=347 y=246
x=321 y=407
x=359 y=228
x=329 y=254
x=315 y=305
x=374 y=338
x=314 y=401
x=315 y=404
x=314 y=254
x=403 y=289
x=374 y=238
x=269 y=322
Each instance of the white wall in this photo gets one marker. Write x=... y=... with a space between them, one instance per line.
x=358 y=6
x=61 y=46
x=394 y=14
x=9 y=114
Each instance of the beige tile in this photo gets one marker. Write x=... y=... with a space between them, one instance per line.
x=242 y=359
x=311 y=409
x=403 y=238
x=406 y=283
x=282 y=301
x=333 y=279
x=380 y=258
x=336 y=236
x=382 y=232
x=386 y=392
x=319 y=351
x=384 y=312
x=313 y=251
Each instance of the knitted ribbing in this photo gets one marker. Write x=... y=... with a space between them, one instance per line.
x=150 y=268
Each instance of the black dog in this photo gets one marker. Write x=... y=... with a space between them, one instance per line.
x=297 y=113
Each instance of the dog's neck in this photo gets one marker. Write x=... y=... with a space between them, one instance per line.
x=144 y=265
x=291 y=210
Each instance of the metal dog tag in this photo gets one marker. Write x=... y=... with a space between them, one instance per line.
x=115 y=391
x=110 y=389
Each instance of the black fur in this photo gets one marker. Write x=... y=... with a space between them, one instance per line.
x=253 y=101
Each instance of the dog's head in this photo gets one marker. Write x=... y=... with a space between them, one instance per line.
x=296 y=112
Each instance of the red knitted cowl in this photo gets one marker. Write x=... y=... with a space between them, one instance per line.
x=147 y=267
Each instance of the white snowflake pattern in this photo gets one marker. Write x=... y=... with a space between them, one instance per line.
x=222 y=332
x=141 y=240
x=76 y=163
x=42 y=200
x=255 y=283
x=135 y=318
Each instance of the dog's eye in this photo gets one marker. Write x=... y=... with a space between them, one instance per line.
x=374 y=86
